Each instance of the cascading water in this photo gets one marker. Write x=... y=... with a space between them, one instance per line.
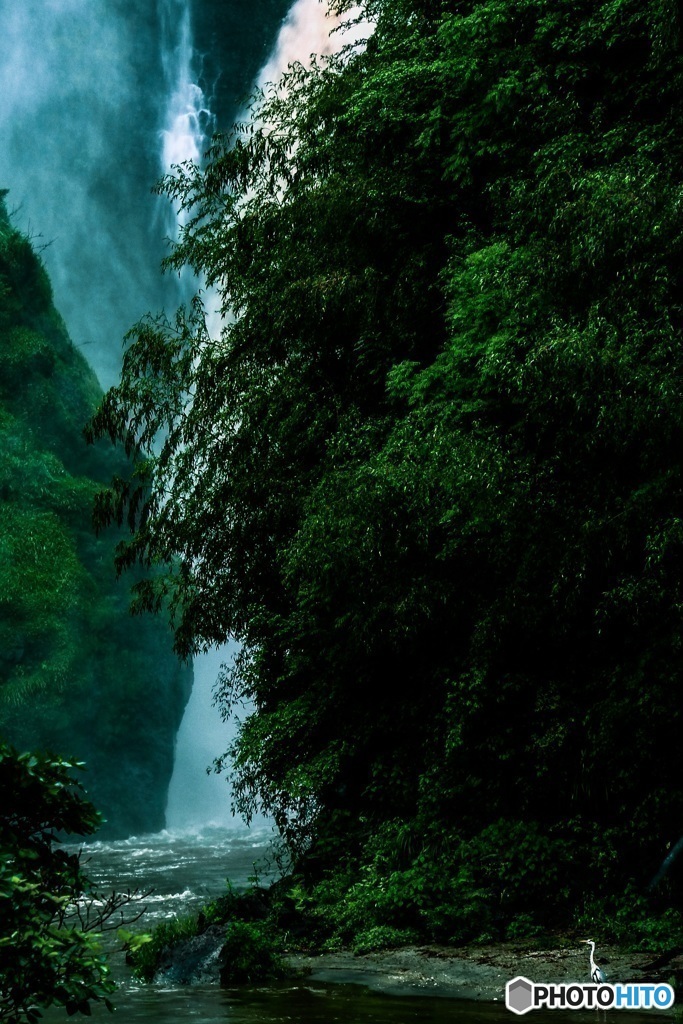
x=195 y=798
x=97 y=99
x=187 y=115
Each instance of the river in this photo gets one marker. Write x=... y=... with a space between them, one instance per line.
x=185 y=868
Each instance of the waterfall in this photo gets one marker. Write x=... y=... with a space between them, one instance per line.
x=195 y=797
x=187 y=114
x=98 y=98
x=309 y=29
x=188 y=121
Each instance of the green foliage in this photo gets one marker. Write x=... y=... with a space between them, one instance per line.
x=45 y=958
x=75 y=672
x=249 y=954
x=429 y=475
x=627 y=919
x=383 y=937
x=144 y=950
x=509 y=881
x=251 y=945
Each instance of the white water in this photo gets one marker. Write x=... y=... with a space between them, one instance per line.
x=310 y=30
x=188 y=118
x=197 y=796
x=186 y=870
x=188 y=122
x=183 y=867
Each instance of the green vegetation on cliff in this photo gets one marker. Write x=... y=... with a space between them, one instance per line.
x=431 y=476
x=77 y=674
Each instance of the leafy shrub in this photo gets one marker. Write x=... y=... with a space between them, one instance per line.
x=383 y=937
x=631 y=921
x=249 y=954
x=250 y=950
x=509 y=880
x=46 y=956
x=144 y=951
x=523 y=926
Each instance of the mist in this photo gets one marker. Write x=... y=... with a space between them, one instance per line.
x=197 y=796
x=90 y=97
x=82 y=102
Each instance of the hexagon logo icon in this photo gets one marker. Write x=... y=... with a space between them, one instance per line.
x=519 y=995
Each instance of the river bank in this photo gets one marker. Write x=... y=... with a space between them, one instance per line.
x=470 y=973
x=478 y=973
x=187 y=869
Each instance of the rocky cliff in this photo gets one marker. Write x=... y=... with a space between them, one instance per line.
x=78 y=674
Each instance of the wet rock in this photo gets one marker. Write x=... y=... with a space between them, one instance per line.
x=194 y=961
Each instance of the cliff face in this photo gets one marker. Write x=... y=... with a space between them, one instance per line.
x=78 y=674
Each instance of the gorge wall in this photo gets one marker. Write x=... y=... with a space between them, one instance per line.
x=78 y=674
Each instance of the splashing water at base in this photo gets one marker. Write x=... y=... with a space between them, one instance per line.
x=184 y=867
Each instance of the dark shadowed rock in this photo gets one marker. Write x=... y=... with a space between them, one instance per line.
x=194 y=961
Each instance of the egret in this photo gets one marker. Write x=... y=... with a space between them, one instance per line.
x=597 y=974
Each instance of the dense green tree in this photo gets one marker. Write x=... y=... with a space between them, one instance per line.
x=430 y=473
x=46 y=957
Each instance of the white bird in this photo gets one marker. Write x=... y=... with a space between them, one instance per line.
x=597 y=974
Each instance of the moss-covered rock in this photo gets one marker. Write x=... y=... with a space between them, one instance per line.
x=78 y=674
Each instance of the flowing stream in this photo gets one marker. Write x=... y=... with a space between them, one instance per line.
x=186 y=868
